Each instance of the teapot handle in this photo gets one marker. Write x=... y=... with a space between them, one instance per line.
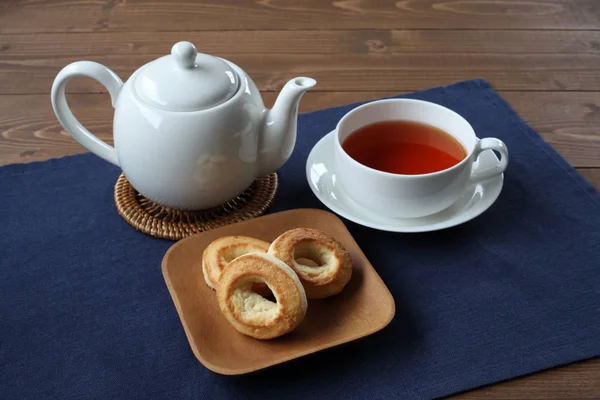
x=66 y=118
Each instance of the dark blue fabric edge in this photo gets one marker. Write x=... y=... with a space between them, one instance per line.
x=52 y=163
x=561 y=357
x=555 y=357
x=59 y=162
x=491 y=94
x=538 y=141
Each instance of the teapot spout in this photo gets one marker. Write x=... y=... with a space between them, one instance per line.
x=278 y=135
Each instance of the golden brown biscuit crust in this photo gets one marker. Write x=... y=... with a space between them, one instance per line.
x=252 y=314
x=224 y=250
x=335 y=265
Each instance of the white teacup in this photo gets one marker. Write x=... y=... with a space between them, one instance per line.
x=412 y=196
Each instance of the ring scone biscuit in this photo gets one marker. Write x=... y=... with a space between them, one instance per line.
x=252 y=314
x=224 y=250
x=334 y=268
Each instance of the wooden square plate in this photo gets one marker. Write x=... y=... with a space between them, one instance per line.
x=364 y=307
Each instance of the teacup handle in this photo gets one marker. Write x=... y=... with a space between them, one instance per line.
x=478 y=175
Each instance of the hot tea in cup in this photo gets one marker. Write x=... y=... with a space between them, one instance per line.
x=404 y=147
x=405 y=158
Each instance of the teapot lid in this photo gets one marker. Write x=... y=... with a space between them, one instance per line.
x=186 y=80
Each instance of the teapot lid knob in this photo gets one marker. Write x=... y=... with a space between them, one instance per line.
x=184 y=54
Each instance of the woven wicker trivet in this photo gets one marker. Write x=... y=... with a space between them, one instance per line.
x=162 y=222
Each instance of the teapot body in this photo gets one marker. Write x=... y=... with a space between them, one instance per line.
x=189 y=160
x=191 y=131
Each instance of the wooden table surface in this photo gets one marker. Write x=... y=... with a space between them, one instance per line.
x=543 y=56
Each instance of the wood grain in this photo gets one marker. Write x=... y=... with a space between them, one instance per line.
x=277 y=42
x=25 y=16
x=542 y=55
x=576 y=381
x=29 y=130
x=592 y=175
x=339 y=72
x=384 y=59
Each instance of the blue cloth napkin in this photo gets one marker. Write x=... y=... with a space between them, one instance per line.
x=85 y=313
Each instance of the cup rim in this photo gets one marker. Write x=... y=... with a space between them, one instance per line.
x=340 y=149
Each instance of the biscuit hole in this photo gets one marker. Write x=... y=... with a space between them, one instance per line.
x=252 y=307
x=306 y=261
x=264 y=291
x=310 y=255
x=231 y=253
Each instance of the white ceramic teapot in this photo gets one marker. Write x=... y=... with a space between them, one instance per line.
x=190 y=130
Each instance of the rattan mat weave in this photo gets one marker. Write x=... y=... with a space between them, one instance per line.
x=162 y=222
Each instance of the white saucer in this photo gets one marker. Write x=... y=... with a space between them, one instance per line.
x=321 y=178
